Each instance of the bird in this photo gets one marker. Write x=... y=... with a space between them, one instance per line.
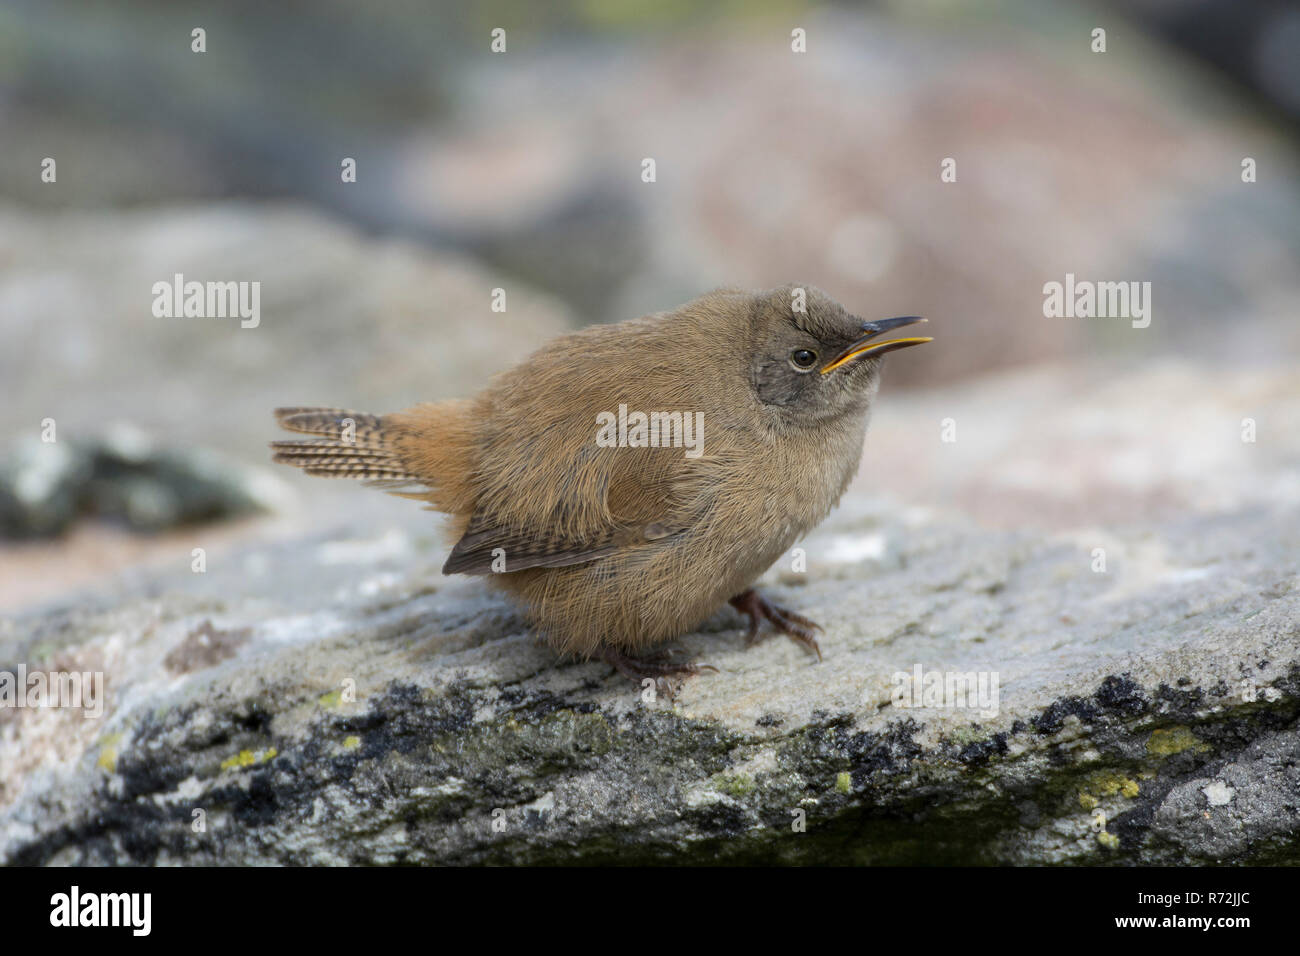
x=628 y=480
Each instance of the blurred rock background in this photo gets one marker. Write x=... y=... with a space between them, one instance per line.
x=522 y=171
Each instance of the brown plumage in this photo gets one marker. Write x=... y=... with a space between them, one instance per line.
x=613 y=550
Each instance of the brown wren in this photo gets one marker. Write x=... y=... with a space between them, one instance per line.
x=626 y=480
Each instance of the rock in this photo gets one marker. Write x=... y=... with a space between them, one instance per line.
x=1088 y=448
x=330 y=698
x=125 y=478
x=41 y=488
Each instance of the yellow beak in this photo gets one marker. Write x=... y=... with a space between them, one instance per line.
x=864 y=346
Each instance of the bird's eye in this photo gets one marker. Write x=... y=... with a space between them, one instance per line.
x=803 y=359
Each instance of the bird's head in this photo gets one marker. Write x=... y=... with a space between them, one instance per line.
x=812 y=359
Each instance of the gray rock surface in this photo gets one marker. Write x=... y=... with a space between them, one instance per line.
x=329 y=698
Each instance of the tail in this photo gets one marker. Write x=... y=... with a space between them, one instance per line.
x=351 y=445
x=426 y=452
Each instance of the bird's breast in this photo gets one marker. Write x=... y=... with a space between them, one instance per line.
x=785 y=489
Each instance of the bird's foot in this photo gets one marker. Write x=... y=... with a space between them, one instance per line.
x=757 y=608
x=666 y=671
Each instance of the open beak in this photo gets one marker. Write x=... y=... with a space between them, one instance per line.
x=863 y=347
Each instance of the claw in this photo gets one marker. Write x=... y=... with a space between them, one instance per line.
x=666 y=672
x=795 y=626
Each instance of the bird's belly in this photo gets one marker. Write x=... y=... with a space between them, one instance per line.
x=641 y=597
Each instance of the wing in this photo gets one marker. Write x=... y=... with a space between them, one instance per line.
x=644 y=494
x=551 y=489
x=478 y=550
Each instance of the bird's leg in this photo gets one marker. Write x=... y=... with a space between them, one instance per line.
x=666 y=672
x=757 y=608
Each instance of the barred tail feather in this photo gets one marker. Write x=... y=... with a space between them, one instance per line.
x=332 y=423
x=353 y=445
x=427 y=452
